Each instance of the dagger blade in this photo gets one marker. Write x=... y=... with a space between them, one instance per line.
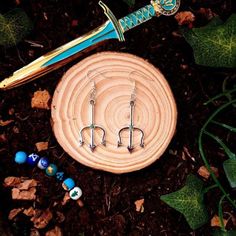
x=111 y=29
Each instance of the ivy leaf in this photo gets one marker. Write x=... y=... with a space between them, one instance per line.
x=220 y=232
x=189 y=202
x=14 y=26
x=129 y=2
x=230 y=171
x=215 y=44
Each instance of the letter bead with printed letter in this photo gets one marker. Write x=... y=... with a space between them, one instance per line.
x=33 y=159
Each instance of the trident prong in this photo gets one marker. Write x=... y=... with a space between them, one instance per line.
x=131 y=127
x=92 y=125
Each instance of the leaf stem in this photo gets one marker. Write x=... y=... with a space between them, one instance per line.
x=230 y=154
x=229 y=127
x=220 y=95
x=200 y=146
x=209 y=188
x=220 y=213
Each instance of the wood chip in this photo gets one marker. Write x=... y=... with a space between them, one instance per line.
x=215 y=221
x=6 y=122
x=203 y=171
x=41 y=146
x=139 y=205
x=185 y=17
x=24 y=194
x=41 y=99
x=54 y=232
x=14 y=212
x=42 y=220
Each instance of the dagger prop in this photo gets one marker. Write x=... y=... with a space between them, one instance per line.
x=111 y=29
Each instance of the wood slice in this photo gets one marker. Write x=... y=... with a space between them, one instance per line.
x=114 y=75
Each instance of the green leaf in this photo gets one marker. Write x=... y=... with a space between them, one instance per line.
x=219 y=232
x=14 y=26
x=230 y=171
x=189 y=202
x=215 y=44
x=129 y=2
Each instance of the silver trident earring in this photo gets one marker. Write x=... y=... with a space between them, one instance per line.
x=131 y=127
x=92 y=125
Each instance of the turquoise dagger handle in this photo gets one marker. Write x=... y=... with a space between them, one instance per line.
x=138 y=17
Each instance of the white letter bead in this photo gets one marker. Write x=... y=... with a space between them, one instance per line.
x=75 y=193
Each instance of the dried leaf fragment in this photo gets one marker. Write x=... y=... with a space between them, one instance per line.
x=42 y=220
x=215 y=221
x=185 y=17
x=41 y=99
x=6 y=122
x=139 y=205
x=41 y=146
x=14 y=212
x=54 y=232
x=203 y=171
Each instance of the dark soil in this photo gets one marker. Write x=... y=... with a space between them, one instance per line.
x=109 y=199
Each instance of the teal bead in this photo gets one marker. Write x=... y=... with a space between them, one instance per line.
x=60 y=176
x=20 y=157
x=51 y=170
x=68 y=184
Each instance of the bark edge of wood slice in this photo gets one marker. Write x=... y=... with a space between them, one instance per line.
x=114 y=73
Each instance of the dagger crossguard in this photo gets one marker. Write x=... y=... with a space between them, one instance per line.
x=92 y=125
x=131 y=128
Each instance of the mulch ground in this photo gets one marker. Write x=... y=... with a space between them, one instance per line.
x=108 y=199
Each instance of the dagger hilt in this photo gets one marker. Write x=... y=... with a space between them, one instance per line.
x=156 y=8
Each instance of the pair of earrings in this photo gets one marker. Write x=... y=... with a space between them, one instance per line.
x=92 y=126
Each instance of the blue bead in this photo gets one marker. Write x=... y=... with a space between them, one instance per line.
x=60 y=176
x=33 y=159
x=20 y=157
x=68 y=184
x=51 y=170
x=43 y=163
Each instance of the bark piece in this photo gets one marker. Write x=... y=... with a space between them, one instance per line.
x=203 y=171
x=54 y=232
x=41 y=99
x=215 y=221
x=41 y=146
x=24 y=194
x=139 y=205
x=14 y=212
x=6 y=122
x=42 y=220
x=185 y=17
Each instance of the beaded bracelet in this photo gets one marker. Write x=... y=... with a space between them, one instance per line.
x=42 y=163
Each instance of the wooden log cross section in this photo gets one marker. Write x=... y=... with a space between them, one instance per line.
x=113 y=75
